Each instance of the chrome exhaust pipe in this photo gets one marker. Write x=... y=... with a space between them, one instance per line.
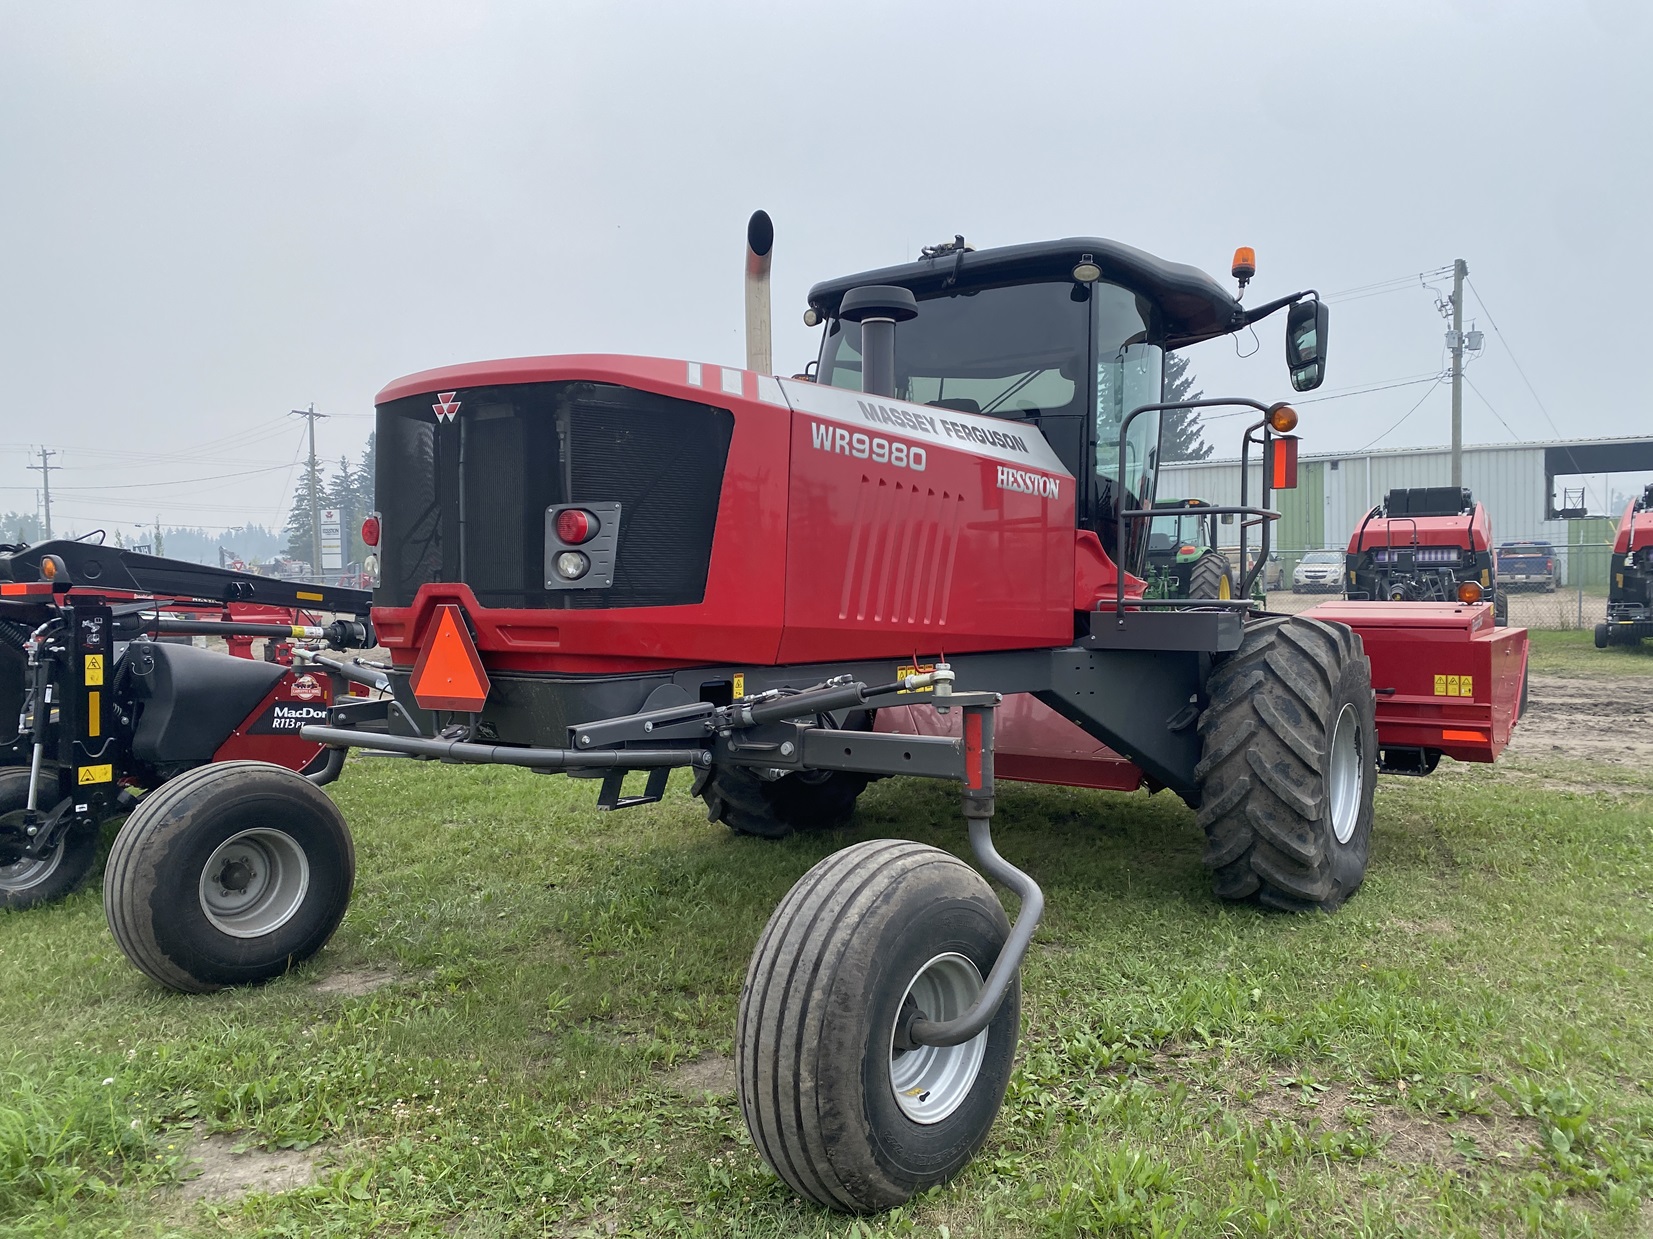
x=760 y=245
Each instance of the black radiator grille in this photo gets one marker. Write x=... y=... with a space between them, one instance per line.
x=466 y=499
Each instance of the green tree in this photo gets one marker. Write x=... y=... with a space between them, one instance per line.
x=1182 y=437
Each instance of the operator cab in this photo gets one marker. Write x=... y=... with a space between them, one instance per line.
x=1068 y=336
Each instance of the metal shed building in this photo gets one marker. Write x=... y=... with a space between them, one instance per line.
x=1520 y=484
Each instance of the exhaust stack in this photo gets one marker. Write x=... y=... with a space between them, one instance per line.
x=878 y=308
x=760 y=244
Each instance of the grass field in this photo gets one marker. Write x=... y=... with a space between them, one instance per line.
x=524 y=1026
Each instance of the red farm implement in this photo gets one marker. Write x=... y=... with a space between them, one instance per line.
x=927 y=558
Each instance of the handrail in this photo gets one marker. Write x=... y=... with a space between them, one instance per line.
x=1124 y=429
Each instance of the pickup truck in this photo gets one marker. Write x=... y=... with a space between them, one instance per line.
x=1527 y=565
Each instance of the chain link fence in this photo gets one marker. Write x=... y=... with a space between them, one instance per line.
x=1576 y=599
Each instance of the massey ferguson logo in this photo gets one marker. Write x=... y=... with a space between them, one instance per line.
x=446 y=407
x=305 y=688
x=1029 y=483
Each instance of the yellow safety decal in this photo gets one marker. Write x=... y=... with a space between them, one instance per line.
x=94 y=669
x=94 y=714
x=309 y=597
x=1454 y=686
x=1619 y=577
x=96 y=774
x=1486 y=578
x=739 y=684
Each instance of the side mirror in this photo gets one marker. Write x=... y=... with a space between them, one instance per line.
x=1306 y=344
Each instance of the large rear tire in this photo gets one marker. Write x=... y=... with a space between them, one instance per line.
x=844 y=1117
x=58 y=874
x=1500 y=610
x=228 y=875
x=1289 y=766
x=775 y=808
x=1212 y=577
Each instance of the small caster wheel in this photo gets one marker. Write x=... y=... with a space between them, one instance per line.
x=867 y=938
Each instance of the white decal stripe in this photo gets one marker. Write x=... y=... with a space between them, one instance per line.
x=734 y=381
x=694 y=374
x=1018 y=443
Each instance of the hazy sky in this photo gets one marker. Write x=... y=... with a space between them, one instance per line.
x=213 y=213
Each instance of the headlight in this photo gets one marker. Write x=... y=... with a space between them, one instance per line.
x=572 y=565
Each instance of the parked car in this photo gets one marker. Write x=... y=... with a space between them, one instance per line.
x=1527 y=565
x=1318 y=572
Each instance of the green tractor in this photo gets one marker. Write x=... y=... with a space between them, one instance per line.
x=1183 y=559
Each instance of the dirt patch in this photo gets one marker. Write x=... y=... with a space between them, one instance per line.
x=1433 y=927
x=218 y=1173
x=713 y=1074
x=1609 y=721
x=1406 y=1137
x=354 y=982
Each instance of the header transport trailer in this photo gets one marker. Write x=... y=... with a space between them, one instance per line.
x=99 y=706
x=610 y=565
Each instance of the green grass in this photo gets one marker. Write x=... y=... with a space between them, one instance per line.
x=1575 y=654
x=1466 y=1049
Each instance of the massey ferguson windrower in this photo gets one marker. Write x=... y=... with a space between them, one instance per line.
x=907 y=563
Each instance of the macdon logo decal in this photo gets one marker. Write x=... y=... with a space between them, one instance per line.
x=305 y=688
x=284 y=718
x=1029 y=483
x=846 y=442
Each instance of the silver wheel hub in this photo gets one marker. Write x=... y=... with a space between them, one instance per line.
x=27 y=874
x=932 y=1081
x=1345 y=774
x=254 y=882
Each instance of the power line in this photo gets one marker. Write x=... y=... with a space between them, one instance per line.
x=1438 y=380
x=1494 y=412
x=1376 y=387
x=1481 y=301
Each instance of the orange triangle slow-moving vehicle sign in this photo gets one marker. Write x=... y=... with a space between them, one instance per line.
x=449 y=674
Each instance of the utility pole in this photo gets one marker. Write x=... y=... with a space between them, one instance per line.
x=45 y=470
x=315 y=486
x=1460 y=272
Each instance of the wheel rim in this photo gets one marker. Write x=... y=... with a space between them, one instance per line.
x=254 y=882
x=25 y=875
x=1347 y=775
x=1223 y=590
x=932 y=1081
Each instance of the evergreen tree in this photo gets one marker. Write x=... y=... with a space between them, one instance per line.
x=1181 y=435
x=300 y=545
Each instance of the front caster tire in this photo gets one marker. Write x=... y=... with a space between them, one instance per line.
x=228 y=875
x=776 y=808
x=1289 y=766
x=57 y=875
x=837 y=1111
x=1603 y=638
x=1500 y=610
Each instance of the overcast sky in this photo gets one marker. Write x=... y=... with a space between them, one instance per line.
x=213 y=213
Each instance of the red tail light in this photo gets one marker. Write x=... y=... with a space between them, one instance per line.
x=575 y=526
x=1549 y=565
x=370 y=531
